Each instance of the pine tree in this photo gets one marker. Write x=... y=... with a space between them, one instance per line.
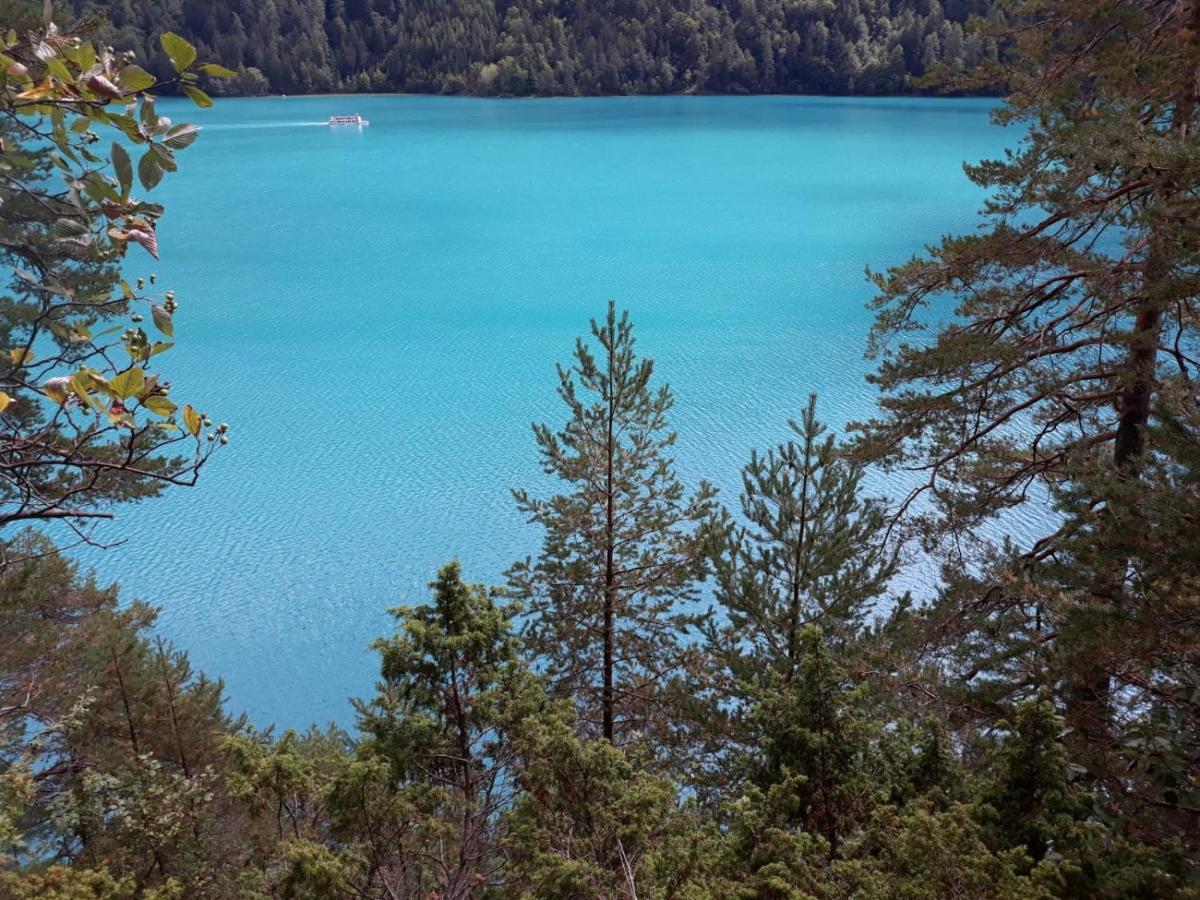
x=622 y=548
x=109 y=744
x=1075 y=306
x=810 y=554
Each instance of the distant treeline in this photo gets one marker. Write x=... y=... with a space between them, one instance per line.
x=559 y=47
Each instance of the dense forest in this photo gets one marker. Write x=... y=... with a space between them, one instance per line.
x=560 y=47
x=584 y=729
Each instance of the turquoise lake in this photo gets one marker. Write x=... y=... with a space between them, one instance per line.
x=377 y=313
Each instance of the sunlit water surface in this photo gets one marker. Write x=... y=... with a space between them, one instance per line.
x=377 y=314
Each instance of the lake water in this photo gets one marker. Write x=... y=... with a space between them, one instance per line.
x=377 y=314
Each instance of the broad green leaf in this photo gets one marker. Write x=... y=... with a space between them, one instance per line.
x=81 y=383
x=99 y=382
x=198 y=96
x=86 y=55
x=123 y=166
x=191 y=419
x=5 y=400
x=135 y=78
x=215 y=71
x=128 y=383
x=181 y=136
x=128 y=125
x=59 y=69
x=182 y=53
x=165 y=157
x=150 y=170
x=69 y=228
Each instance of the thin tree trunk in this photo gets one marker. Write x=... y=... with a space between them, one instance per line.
x=133 y=738
x=610 y=578
x=460 y=885
x=162 y=659
x=798 y=563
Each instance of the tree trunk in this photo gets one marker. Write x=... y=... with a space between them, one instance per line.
x=608 y=698
x=1089 y=692
x=799 y=566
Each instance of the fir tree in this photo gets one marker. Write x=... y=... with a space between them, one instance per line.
x=622 y=549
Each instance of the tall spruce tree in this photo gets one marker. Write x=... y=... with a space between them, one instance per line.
x=810 y=553
x=623 y=547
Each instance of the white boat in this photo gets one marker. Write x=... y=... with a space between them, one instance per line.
x=355 y=119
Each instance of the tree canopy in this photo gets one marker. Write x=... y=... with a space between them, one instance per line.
x=561 y=48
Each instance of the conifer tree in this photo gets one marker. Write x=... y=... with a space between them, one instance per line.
x=623 y=546
x=810 y=553
x=815 y=737
x=453 y=690
x=1031 y=797
x=1075 y=310
x=109 y=744
x=590 y=820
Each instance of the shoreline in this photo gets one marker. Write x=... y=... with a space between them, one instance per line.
x=679 y=94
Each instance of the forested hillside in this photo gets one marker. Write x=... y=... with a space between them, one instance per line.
x=559 y=47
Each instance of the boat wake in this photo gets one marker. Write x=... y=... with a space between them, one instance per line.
x=242 y=126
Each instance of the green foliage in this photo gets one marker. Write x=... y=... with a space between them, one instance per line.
x=85 y=422
x=541 y=48
x=920 y=852
x=590 y=822
x=66 y=883
x=1060 y=378
x=816 y=740
x=109 y=753
x=623 y=548
x=454 y=696
x=809 y=554
x=1031 y=733
x=1033 y=803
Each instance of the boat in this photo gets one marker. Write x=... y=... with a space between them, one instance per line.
x=355 y=119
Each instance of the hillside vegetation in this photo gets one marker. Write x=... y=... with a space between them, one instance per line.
x=560 y=47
